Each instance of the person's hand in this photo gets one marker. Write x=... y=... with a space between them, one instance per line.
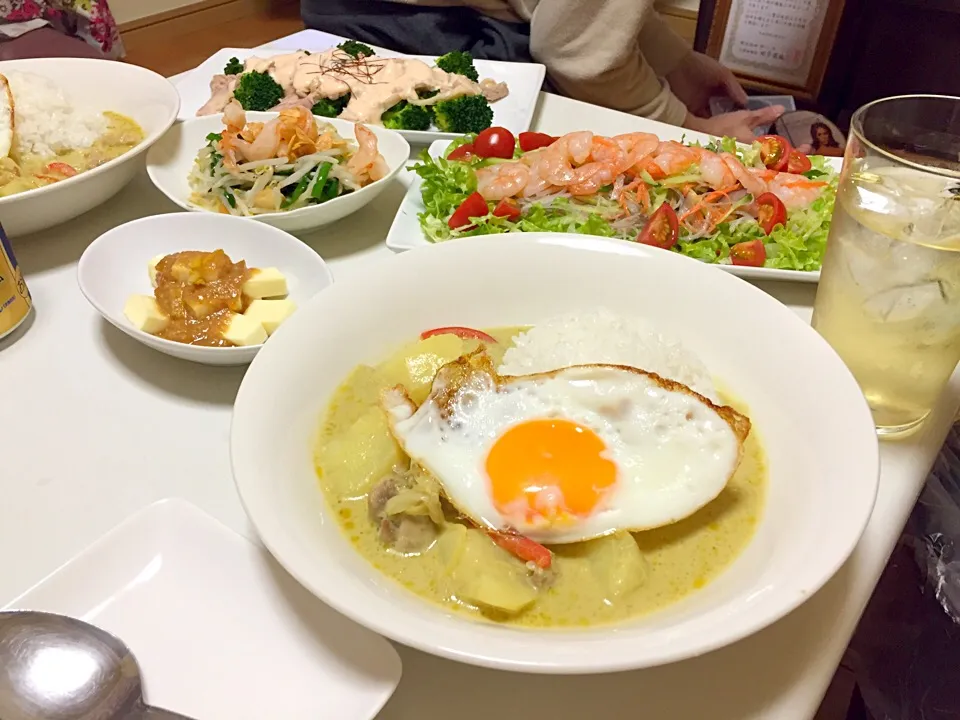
x=739 y=124
x=699 y=77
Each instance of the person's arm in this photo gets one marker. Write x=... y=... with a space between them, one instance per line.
x=592 y=53
x=661 y=45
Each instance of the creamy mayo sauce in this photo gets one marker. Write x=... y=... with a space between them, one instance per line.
x=375 y=84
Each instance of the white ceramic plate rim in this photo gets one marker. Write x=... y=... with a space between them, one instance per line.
x=486 y=68
x=120 y=323
x=139 y=149
x=620 y=651
x=405 y=233
x=340 y=125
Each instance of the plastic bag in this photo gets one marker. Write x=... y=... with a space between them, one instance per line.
x=905 y=653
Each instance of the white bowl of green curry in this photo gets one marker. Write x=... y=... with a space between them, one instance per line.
x=310 y=447
x=40 y=191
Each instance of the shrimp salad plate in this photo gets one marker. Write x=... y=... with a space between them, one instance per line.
x=425 y=98
x=760 y=211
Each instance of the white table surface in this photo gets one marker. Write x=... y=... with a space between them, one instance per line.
x=79 y=401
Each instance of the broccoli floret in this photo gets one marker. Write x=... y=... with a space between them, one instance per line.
x=233 y=67
x=459 y=63
x=330 y=107
x=356 y=49
x=257 y=91
x=404 y=116
x=464 y=114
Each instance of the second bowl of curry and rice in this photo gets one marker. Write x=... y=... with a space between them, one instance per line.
x=72 y=132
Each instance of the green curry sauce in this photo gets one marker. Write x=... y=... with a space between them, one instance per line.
x=596 y=582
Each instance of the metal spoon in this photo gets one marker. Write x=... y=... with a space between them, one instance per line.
x=54 y=667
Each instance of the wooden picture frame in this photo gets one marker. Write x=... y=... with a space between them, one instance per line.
x=776 y=46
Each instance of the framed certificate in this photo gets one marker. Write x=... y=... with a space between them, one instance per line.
x=773 y=45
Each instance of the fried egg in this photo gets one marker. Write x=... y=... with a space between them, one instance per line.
x=6 y=117
x=571 y=454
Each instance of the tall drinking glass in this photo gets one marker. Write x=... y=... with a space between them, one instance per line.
x=889 y=295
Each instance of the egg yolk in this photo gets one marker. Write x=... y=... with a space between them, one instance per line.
x=549 y=471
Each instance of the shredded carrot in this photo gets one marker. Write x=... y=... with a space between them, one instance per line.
x=643 y=194
x=804 y=183
x=706 y=199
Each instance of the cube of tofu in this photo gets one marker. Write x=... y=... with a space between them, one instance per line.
x=243 y=331
x=144 y=314
x=265 y=283
x=152 y=269
x=270 y=313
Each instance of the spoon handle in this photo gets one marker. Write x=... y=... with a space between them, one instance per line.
x=154 y=713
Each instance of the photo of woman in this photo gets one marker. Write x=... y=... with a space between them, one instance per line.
x=823 y=142
x=811 y=133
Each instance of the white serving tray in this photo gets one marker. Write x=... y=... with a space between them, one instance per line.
x=219 y=630
x=514 y=112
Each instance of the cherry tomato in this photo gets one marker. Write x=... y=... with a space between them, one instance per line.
x=774 y=151
x=507 y=208
x=522 y=547
x=464 y=333
x=464 y=152
x=661 y=229
x=495 y=142
x=751 y=253
x=473 y=206
x=770 y=212
x=798 y=163
x=535 y=140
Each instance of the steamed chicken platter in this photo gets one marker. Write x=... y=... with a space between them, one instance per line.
x=352 y=83
x=206 y=298
x=581 y=471
x=45 y=138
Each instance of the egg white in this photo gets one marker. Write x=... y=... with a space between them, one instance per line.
x=6 y=117
x=674 y=451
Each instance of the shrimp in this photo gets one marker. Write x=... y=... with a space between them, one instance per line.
x=555 y=168
x=751 y=182
x=234 y=117
x=673 y=158
x=265 y=145
x=714 y=170
x=638 y=146
x=574 y=146
x=502 y=181
x=637 y=143
x=590 y=177
x=367 y=162
x=605 y=150
x=795 y=191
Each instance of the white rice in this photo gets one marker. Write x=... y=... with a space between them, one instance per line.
x=46 y=121
x=601 y=336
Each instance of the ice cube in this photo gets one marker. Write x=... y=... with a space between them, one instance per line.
x=900 y=304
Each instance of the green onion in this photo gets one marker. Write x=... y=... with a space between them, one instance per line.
x=322 y=173
x=297 y=191
x=330 y=190
x=231 y=200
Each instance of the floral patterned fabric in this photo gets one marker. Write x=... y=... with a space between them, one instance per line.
x=89 y=20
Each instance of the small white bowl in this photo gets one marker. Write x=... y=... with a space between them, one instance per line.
x=814 y=423
x=169 y=163
x=129 y=90
x=114 y=267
